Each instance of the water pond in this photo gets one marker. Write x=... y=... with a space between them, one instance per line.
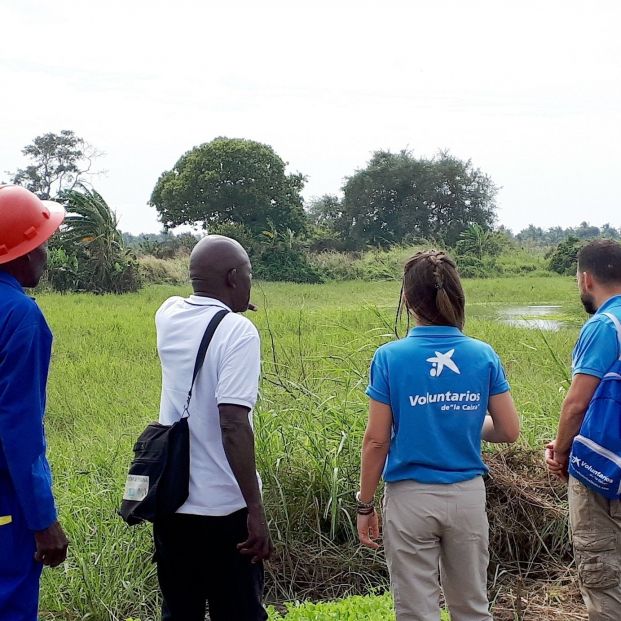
x=533 y=317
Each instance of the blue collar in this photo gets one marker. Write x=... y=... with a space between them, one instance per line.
x=435 y=331
x=613 y=301
x=11 y=281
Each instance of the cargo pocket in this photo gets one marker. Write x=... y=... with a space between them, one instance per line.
x=597 y=568
x=598 y=575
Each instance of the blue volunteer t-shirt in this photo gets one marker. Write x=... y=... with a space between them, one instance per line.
x=437 y=382
x=598 y=346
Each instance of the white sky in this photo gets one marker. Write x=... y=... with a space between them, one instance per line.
x=530 y=90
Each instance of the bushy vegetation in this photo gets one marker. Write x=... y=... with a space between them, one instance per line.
x=356 y=608
x=281 y=256
x=285 y=257
x=89 y=254
x=388 y=264
x=564 y=258
x=317 y=344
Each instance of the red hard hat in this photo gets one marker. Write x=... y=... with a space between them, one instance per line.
x=26 y=221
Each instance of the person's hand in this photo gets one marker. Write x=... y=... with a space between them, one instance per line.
x=557 y=462
x=259 y=543
x=368 y=530
x=51 y=545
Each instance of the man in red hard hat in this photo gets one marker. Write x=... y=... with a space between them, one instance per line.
x=30 y=535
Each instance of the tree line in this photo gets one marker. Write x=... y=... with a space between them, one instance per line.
x=241 y=188
x=536 y=236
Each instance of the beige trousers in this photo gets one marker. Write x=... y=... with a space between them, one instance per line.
x=434 y=532
x=596 y=531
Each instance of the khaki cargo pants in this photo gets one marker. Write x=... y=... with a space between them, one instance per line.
x=433 y=532
x=596 y=530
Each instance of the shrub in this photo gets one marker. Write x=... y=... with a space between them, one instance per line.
x=285 y=264
x=280 y=256
x=480 y=243
x=564 y=258
x=324 y=239
x=470 y=266
x=90 y=254
x=62 y=270
x=124 y=276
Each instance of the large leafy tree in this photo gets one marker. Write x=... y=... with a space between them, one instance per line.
x=58 y=163
x=383 y=202
x=459 y=196
x=398 y=197
x=231 y=181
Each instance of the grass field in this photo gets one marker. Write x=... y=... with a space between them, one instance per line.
x=317 y=344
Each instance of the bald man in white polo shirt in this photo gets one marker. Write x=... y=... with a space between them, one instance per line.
x=210 y=552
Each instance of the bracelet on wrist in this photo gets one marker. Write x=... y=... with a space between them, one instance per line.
x=365 y=511
x=364 y=505
x=361 y=502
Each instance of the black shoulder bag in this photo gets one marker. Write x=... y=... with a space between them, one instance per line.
x=159 y=476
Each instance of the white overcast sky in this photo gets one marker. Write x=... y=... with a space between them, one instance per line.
x=529 y=90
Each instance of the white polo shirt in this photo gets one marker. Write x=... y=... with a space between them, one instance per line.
x=230 y=374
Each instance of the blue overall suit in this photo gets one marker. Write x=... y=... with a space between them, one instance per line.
x=26 y=501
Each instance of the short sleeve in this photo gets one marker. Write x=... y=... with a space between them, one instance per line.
x=238 y=373
x=596 y=350
x=379 y=389
x=498 y=383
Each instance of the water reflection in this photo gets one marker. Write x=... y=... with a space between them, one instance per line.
x=532 y=317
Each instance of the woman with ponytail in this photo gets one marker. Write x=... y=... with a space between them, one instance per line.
x=434 y=396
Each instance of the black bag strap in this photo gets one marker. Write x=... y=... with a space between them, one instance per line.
x=202 y=351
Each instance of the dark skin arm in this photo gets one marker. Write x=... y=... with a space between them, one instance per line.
x=238 y=442
x=572 y=414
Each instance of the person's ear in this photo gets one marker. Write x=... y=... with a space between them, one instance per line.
x=587 y=281
x=231 y=278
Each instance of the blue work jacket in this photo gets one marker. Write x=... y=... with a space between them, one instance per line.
x=25 y=351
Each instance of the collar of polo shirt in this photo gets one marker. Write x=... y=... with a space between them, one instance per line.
x=434 y=331
x=201 y=300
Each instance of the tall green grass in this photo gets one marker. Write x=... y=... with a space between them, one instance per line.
x=317 y=344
